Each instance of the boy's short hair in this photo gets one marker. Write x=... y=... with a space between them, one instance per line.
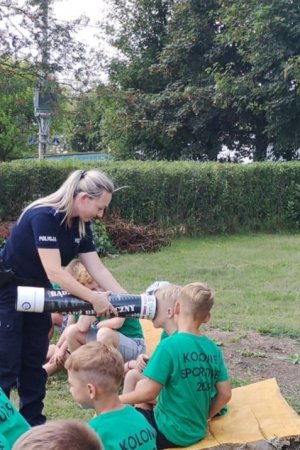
x=168 y=294
x=99 y=364
x=79 y=272
x=60 y=435
x=196 y=299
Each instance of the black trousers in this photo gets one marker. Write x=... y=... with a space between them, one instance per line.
x=161 y=441
x=23 y=349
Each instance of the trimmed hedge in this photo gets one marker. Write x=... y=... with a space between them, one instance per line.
x=192 y=197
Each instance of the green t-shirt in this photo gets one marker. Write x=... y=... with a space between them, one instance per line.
x=124 y=429
x=12 y=423
x=131 y=328
x=188 y=367
x=4 y=445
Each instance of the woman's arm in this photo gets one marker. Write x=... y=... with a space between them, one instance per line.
x=100 y=273
x=51 y=262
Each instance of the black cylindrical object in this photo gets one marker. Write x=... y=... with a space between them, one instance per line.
x=35 y=299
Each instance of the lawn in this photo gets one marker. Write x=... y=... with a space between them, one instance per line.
x=255 y=279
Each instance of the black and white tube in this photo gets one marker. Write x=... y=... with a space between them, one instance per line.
x=36 y=299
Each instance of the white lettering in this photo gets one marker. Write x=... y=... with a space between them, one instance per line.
x=47 y=238
x=126 y=308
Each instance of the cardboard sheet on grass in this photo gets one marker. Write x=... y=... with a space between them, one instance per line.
x=259 y=418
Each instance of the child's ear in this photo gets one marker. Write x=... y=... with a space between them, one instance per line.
x=176 y=308
x=207 y=318
x=170 y=313
x=91 y=390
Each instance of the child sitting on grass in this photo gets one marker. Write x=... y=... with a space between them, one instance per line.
x=124 y=334
x=185 y=372
x=166 y=297
x=95 y=374
x=58 y=353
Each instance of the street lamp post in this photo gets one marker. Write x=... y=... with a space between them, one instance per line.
x=43 y=98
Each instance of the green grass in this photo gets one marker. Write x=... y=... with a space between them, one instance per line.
x=255 y=279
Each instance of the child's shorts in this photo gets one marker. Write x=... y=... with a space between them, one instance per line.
x=130 y=348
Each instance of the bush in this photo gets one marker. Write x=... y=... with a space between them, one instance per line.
x=102 y=240
x=190 y=197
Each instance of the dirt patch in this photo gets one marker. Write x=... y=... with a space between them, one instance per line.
x=252 y=357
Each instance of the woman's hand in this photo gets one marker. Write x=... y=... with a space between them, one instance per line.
x=102 y=306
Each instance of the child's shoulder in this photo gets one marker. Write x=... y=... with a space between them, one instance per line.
x=182 y=338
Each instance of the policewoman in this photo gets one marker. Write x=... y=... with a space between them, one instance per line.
x=50 y=232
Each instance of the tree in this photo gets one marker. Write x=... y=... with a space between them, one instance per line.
x=184 y=109
x=17 y=122
x=214 y=73
x=137 y=30
x=31 y=32
x=175 y=117
x=258 y=86
x=86 y=122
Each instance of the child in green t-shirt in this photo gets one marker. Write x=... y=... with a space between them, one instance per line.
x=124 y=334
x=95 y=374
x=166 y=297
x=58 y=353
x=12 y=423
x=4 y=445
x=60 y=435
x=187 y=373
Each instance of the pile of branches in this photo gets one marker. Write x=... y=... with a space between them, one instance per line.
x=131 y=238
x=5 y=228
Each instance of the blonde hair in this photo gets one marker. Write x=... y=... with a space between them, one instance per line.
x=196 y=299
x=60 y=435
x=99 y=364
x=93 y=182
x=168 y=295
x=79 y=272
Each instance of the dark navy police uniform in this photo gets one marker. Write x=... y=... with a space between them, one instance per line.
x=24 y=336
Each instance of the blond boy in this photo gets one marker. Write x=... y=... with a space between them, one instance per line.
x=95 y=374
x=166 y=297
x=125 y=334
x=185 y=371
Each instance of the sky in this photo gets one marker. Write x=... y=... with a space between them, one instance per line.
x=95 y=10
x=71 y=9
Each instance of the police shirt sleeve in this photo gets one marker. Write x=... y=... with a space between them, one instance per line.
x=45 y=230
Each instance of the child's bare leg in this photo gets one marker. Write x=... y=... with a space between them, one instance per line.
x=51 y=351
x=108 y=336
x=75 y=338
x=131 y=379
x=84 y=323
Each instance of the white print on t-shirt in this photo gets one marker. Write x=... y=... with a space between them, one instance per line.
x=47 y=238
